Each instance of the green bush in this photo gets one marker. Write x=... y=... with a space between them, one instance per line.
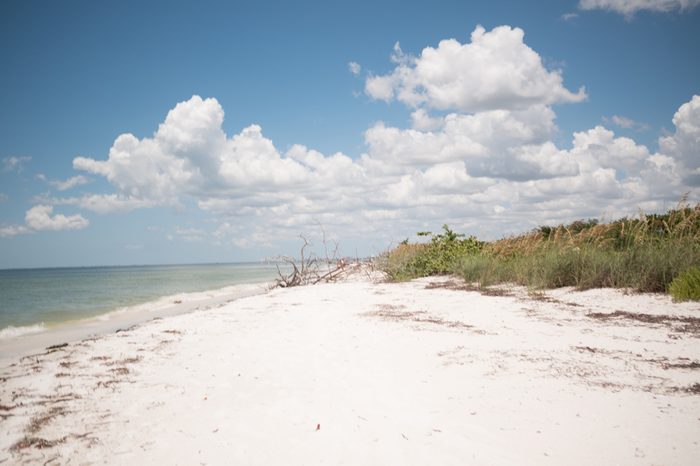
x=437 y=257
x=686 y=286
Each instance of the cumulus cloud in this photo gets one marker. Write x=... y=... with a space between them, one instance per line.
x=484 y=170
x=422 y=121
x=13 y=230
x=14 y=164
x=629 y=7
x=626 y=123
x=608 y=151
x=70 y=183
x=484 y=141
x=485 y=165
x=354 y=68
x=495 y=71
x=623 y=122
x=39 y=218
x=190 y=154
x=684 y=145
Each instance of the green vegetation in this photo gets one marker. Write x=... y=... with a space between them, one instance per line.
x=645 y=254
x=437 y=257
x=686 y=286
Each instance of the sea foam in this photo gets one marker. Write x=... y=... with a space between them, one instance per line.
x=13 y=332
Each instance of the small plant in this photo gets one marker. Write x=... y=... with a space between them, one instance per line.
x=686 y=286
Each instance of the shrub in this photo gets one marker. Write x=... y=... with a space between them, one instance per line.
x=437 y=257
x=686 y=286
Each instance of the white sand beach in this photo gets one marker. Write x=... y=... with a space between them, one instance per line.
x=362 y=373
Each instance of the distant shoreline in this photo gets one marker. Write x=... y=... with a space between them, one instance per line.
x=40 y=304
x=70 y=331
x=68 y=267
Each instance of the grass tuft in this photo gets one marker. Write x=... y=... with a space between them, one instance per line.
x=686 y=286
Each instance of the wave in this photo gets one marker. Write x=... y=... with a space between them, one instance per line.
x=182 y=302
x=13 y=332
x=173 y=304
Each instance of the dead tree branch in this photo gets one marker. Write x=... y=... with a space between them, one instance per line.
x=308 y=270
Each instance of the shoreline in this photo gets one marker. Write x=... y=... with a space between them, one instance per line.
x=12 y=346
x=363 y=372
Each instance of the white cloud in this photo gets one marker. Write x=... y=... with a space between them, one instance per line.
x=489 y=171
x=70 y=183
x=106 y=203
x=626 y=123
x=484 y=141
x=14 y=164
x=13 y=230
x=39 y=218
x=569 y=16
x=3 y=197
x=610 y=152
x=191 y=155
x=190 y=234
x=354 y=68
x=629 y=7
x=684 y=145
x=496 y=70
x=422 y=121
x=623 y=122
x=380 y=87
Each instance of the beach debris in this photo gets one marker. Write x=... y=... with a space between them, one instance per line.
x=393 y=313
x=311 y=269
x=122 y=362
x=36 y=442
x=49 y=350
x=128 y=329
x=681 y=365
x=455 y=285
x=679 y=324
x=40 y=420
x=55 y=347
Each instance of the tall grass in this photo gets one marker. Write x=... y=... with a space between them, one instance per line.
x=644 y=253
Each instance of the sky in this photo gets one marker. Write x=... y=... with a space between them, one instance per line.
x=167 y=132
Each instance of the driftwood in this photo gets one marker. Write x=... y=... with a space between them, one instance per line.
x=309 y=269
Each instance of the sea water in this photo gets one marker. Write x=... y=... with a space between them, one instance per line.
x=37 y=300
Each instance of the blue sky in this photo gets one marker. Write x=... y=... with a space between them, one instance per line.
x=535 y=112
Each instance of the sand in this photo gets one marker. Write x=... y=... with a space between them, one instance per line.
x=364 y=372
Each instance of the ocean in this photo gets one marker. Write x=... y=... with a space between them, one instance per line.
x=39 y=300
